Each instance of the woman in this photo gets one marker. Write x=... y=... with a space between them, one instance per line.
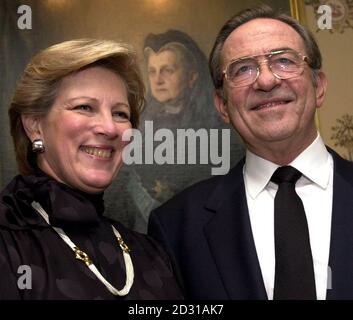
x=67 y=117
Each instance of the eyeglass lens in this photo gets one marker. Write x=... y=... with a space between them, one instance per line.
x=284 y=65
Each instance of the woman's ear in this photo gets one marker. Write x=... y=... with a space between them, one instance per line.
x=31 y=124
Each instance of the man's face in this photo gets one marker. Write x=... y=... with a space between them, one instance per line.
x=166 y=75
x=270 y=111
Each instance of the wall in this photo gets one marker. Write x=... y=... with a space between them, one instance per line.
x=337 y=52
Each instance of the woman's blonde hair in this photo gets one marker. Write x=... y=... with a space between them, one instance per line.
x=37 y=89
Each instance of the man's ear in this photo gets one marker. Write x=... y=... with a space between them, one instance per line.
x=221 y=106
x=31 y=124
x=321 y=86
x=193 y=77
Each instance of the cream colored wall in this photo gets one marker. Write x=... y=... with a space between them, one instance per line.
x=132 y=20
x=337 y=52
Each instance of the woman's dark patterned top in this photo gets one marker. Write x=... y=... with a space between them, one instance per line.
x=35 y=263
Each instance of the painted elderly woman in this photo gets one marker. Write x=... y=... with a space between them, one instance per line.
x=67 y=117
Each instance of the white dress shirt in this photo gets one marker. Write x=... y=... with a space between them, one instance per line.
x=315 y=188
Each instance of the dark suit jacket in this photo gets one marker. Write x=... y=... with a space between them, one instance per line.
x=206 y=229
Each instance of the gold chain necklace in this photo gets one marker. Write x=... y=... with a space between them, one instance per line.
x=83 y=256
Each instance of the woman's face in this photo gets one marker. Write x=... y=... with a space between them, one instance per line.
x=83 y=131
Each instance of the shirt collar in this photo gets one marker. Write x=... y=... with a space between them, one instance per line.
x=313 y=163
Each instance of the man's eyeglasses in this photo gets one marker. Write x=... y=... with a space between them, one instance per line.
x=284 y=64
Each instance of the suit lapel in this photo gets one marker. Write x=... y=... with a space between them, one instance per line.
x=341 y=247
x=230 y=239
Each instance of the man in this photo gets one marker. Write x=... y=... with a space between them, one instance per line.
x=226 y=234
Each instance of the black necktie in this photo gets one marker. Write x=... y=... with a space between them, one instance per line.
x=294 y=274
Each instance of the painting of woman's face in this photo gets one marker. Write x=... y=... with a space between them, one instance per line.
x=167 y=76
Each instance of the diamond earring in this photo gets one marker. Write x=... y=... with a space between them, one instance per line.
x=38 y=146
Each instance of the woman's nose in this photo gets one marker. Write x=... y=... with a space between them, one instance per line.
x=106 y=125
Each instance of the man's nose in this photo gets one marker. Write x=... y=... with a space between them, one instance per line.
x=266 y=80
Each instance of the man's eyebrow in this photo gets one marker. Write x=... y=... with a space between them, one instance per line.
x=259 y=55
x=280 y=49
